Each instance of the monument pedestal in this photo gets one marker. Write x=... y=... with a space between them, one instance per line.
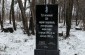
x=46 y=52
x=46 y=30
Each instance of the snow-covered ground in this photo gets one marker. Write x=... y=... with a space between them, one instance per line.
x=74 y=44
x=18 y=43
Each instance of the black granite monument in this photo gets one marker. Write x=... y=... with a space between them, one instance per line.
x=46 y=30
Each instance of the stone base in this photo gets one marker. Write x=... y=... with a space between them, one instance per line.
x=46 y=52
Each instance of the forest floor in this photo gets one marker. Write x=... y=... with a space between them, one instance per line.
x=74 y=44
x=17 y=43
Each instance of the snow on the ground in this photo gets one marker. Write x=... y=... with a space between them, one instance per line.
x=74 y=44
x=18 y=43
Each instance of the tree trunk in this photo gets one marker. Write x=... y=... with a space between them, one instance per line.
x=0 y=18
x=10 y=16
x=68 y=17
x=20 y=18
x=83 y=19
x=2 y=14
x=60 y=14
x=25 y=21
x=32 y=19
x=29 y=1
x=13 y=16
x=64 y=12
x=77 y=10
x=25 y=5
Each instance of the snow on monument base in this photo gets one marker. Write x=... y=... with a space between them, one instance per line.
x=46 y=52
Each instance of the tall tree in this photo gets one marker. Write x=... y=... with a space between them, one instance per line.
x=0 y=18
x=64 y=11
x=2 y=14
x=13 y=16
x=60 y=7
x=32 y=19
x=77 y=10
x=25 y=21
x=68 y=16
x=10 y=16
x=25 y=5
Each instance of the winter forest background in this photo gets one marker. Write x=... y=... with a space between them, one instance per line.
x=18 y=26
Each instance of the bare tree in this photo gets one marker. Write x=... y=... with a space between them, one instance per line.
x=68 y=16
x=25 y=5
x=10 y=16
x=64 y=11
x=60 y=10
x=2 y=14
x=0 y=18
x=32 y=18
x=76 y=4
x=13 y=16
x=25 y=21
